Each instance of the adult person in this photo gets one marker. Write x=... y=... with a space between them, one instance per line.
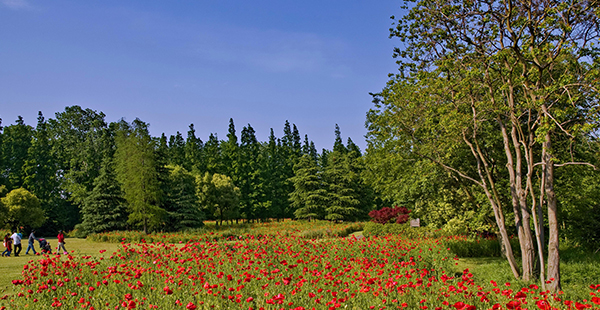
x=7 y=245
x=61 y=242
x=16 y=238
x=31 y=240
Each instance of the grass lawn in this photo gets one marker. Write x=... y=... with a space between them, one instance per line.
x=10 y=267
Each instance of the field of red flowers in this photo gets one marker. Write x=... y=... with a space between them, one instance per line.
x=283 y=271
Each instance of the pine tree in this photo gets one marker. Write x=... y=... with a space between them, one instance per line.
x=212 y=155
x=104 y=208
x=40 y=174
x=193 y=151
x=230 y=150
x=16 y=143
x=183 y=211
x=309 y=197
x=176 y=149
x=249 y=175
x=343 y=198
x=40 y=171
x=271 y=201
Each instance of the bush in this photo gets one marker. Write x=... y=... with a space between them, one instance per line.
x=387 y=215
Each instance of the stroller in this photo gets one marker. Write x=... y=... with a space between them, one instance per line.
x=45 y=246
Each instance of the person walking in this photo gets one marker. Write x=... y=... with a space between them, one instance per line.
x=61 y=242
x=7 y=245
x=16 y=238
x=31 y=240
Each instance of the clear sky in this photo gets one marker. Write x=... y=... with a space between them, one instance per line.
x=172 y=63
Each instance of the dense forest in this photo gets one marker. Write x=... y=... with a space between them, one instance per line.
x=76 y=171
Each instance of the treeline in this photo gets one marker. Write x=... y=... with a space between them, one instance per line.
x=97 y=176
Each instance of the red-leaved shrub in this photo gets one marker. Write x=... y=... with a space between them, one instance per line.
x=387 y=215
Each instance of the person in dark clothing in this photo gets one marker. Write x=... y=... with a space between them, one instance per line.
x=31 y=240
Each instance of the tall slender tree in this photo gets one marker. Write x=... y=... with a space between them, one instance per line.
x=136 y=171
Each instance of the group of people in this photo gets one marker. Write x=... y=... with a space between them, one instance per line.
x=14 y=240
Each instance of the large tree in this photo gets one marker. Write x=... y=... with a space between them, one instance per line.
x=503 y=80
x=16 y=141
x=218 y=196
x=136 y=168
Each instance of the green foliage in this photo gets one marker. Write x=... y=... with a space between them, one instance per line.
x=182 y=206
x=309 y=198
x=16 y=141
x=23 y=209
x=136 y=169
x=104 y=208
x=218 y=196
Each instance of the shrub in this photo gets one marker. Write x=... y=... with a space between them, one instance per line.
x=387 y=215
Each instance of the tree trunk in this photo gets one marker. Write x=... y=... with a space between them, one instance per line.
x=553 y=241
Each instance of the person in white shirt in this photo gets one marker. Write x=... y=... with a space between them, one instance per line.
x=16 y=237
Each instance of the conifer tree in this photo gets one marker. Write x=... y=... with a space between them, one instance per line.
x=249 y=182
x=40 y=174
x=104 y=208
x=183 y=208
x=176 y=149
x=193 y=151
x=212 y=155
x=40 y=167
x=230 y=150
x=16 y=142
x=136 y=171
x=309 y=197
x=271 y=201
x=343 y=199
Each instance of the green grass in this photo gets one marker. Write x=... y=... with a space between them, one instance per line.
x=10 y=267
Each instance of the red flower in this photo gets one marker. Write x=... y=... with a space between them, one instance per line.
x=596 y=300
x=514 y=304
x=131 y=305
x=542 y=305
x=190 y=306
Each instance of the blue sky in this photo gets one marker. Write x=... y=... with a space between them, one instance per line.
x=172 y=63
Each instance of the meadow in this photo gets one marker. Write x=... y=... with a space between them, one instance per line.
x=288 y=265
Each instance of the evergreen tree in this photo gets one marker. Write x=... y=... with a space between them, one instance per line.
x=296 y=145
x=230 y=151
x=249 y=175
x=40 y=174
x=176 y=149
x=183 y=208
x=104 y=209
x=338 y=144
x=193 y=151
x=343 y=198
x=271 y=200
x=3 y=176
x=40 y=171
x=212 y=153
x=16 y=143
x=289 y=157
x=136 y=171
x=309 y=197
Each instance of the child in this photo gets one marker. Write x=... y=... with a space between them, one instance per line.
x=7 y=245
x=61 y=242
